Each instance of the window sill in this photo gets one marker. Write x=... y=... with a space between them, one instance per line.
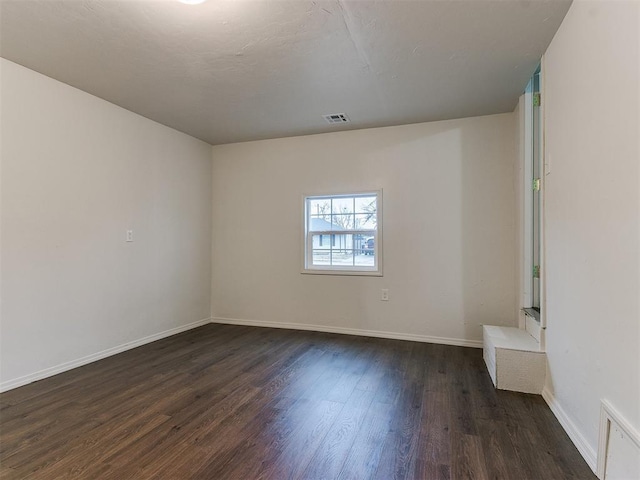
x=341 y=273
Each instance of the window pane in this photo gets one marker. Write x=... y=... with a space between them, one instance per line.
x=342 y=205
x=366 y=205
x=321 y=242
x=366 y=221
x=365 y=245
x=319 y=206
x=364 y=260
x=319 y=224
x=342 y=257
x=321 y=257
x=342 y=241
x=342 y=221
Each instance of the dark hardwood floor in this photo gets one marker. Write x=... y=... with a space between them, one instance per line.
x=229 y=402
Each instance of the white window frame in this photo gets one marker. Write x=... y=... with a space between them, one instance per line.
x=528 y=215
x=357 y=270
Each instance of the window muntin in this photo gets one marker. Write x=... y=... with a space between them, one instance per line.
x=353 y=224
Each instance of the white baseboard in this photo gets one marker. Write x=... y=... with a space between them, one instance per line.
x=586 y=450
x=63 y=367
x=351 y=331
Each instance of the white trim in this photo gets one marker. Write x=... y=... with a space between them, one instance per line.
x=586 y=450
x=543 y=188
x=351 y=331
x=527 y=215
x=335 y=271
x=63 y=367
x=609 y=415
x=520 y=213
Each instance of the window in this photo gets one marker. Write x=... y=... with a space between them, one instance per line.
x=353 y=222
x=533 y=183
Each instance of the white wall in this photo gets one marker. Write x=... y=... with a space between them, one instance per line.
x=77 y=172
x=592 y=105
x=449 y=236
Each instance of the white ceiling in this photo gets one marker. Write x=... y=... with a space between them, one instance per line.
x=235 y=70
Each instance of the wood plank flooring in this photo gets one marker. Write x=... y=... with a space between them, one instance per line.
x=229 y=402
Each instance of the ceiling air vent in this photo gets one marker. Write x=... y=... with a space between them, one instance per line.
x=336 y=118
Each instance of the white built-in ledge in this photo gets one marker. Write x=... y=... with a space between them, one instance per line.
x=514 y=359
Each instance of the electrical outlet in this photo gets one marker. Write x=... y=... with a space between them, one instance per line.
x=129 y=235
x=384 y=295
